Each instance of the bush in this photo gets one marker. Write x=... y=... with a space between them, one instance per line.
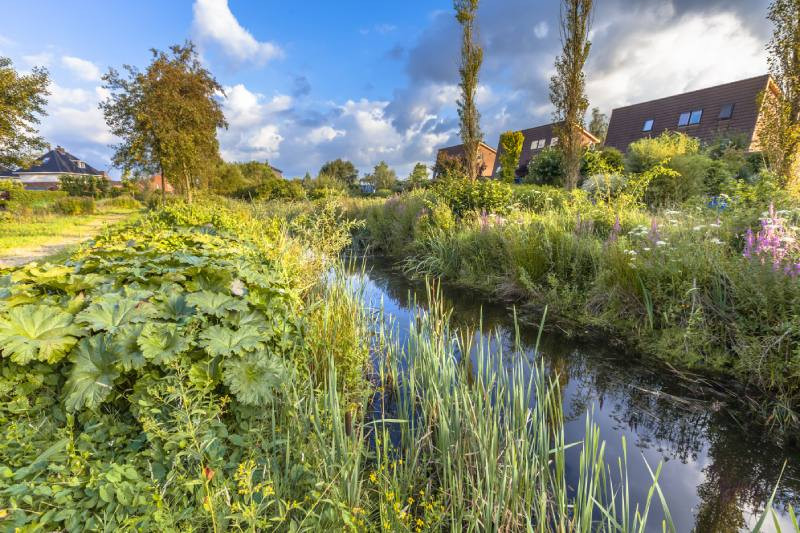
x=81 y=185
x=273 y=189
x=606 y=185
x=645 y=154
x=22 y=201
x=547 y=168
x=464 y=195
x=384 y=193
x=541 y=198
x=121 y=202
x=606 y=160
x=75 y=205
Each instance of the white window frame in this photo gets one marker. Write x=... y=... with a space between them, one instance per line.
x=553 y=141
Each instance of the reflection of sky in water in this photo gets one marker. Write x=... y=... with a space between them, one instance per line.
x=713 y=473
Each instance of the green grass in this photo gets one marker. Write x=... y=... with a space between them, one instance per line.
x=32 y=232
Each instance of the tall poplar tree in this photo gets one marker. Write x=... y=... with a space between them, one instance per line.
x=568 y=85
x=471 y=59
x=167 y=118
x=22 y=102
x=779 y=134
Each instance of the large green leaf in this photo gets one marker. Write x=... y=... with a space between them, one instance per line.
x=38 y=332
x=95 y=370
x=127 y=337
x=112 y=311
x=173 y=306
x=219 y=340
x=162 y=342
x=255 y=377
x=216 y=303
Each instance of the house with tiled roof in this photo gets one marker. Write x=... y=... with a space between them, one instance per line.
x=486 y=156
x=46 y=170
x=722 y=110
x=535 y=140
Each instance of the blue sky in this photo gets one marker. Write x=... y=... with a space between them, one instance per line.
x=369 y=81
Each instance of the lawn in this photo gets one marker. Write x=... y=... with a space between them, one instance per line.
x=44 y=235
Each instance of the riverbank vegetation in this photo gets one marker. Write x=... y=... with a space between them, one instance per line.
x=198 y=369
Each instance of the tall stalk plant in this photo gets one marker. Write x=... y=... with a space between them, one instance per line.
x=471 y=59
x=568 y=85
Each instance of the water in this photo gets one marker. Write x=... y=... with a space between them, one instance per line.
x=716 y=475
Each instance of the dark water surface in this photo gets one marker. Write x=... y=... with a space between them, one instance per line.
x=716 y=474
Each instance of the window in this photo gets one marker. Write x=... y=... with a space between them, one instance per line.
x=690 y=117
x=726 y=112
x=684 y=119
x=648 y=125
x=696 y=116
x=81 y=164
x=534 y=145
x=542 y=142
x=554 y=141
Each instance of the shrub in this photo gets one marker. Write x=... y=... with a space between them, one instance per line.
x=645 y=154
x=121 y=202
x=464 y=195
x=606 y=160
x=606 y=186
x=699 y=174
x=541 y=198
x=384 y=193
x=21 y=200
x=273 y=189
x=546 y=168
x=82 y=185
x=75 y=205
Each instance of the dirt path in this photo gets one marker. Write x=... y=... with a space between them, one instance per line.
x=21 y=256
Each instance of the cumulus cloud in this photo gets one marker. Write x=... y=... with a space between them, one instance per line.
x=541 y=30
x=322 y=134
x=42 y=59
x=82 y=68
x=214 y=22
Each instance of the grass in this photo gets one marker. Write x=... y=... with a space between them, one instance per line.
x=33 y=232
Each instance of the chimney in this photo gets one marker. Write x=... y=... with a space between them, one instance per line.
x=59 y=149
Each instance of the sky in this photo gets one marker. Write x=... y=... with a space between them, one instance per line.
x=307 y=82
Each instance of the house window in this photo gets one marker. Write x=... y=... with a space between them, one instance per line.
x=726 y=112
x=554 y=141
x=81 y=164
x=534 y=145
x=696 y=116
x=542 y=142
x=684 y=119
x=648 y=125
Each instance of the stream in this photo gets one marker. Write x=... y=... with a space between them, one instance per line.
x=717 y=475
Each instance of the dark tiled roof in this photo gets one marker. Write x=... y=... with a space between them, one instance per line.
x=626 y=123
x=6 y=172
x=59 y=161
x=531 y=135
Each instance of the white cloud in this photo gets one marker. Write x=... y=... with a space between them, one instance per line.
x=214 y=21
x=85 y=70
x=322 y=134
x=696 y=51
x=541 y=30
x=42 y=59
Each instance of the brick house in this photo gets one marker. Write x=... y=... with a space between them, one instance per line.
x=730 y=108
x=535 y=140
x=486 y=156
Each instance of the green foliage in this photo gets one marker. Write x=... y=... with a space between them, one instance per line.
x=21 y=200
x=464 y=195
x=37 y=332
x=471 y=59
x=606 y=160
x=22 y=103
x=646 y=153
x=120 y=202
x=84 y=185
x=340 y=170
x=382 y=177
x=510 y=151
x=418 y=177
x=449 y=167
x=598 y=126
x=546 y=168
x=75 y=205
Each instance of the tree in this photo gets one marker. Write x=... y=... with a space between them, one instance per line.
x=342 y=170
x=449 y=166
x=510 y=150
x=418 y=177
x=568 y=85
x=599 y=124
x=779 y=133
x=22 y=101
x=471 y=59
x=382 y=176
x=167 y=118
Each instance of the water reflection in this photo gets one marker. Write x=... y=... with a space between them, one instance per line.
x=716 y=474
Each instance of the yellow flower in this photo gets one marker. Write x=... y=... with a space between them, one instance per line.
x=373 y=477
x=410 y=500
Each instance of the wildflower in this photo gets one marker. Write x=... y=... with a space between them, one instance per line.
x=237 y=287
x=661 y=243
x=646 y=249
x=698 y=228
x=715 y=241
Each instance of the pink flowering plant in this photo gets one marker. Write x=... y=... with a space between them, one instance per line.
x=774 y=244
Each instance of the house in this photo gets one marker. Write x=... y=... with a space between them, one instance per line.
x=535 y=140
x=45 y=171
x=153 y=183
x=730 y=108
x=278 y=172
x=486 y=156
x=366 y=187
x=6 y=173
